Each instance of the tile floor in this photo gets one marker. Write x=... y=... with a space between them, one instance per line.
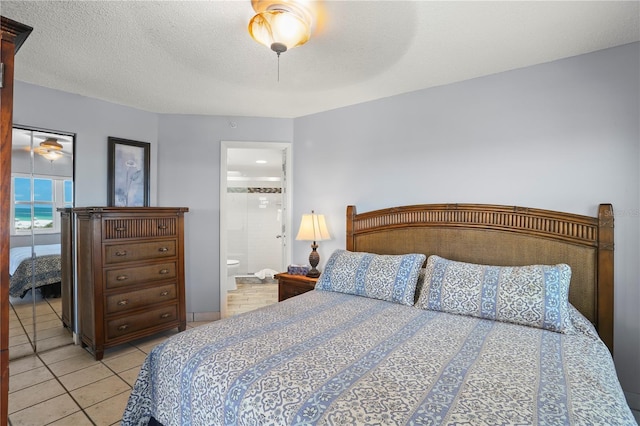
x=48 y=331
x=67 y=386
x=251 y=295
x=64 y=385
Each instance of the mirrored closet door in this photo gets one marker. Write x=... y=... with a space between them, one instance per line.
x=42 y=167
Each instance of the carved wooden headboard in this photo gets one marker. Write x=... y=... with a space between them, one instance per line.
x=502 y=235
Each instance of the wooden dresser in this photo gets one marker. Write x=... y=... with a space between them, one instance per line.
x=130 y=266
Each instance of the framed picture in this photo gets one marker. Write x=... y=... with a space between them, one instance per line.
x=128 y=168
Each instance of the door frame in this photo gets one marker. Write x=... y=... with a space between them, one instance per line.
x=287 y=218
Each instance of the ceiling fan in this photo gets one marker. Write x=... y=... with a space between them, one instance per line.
x=50 y=149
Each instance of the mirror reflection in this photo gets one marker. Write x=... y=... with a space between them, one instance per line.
x=41 y=183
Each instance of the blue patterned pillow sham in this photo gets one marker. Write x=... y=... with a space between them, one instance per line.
x=533 y=295
x=385 y=277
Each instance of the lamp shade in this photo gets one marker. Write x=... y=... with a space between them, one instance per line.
x=279 y=26
x=313 y=228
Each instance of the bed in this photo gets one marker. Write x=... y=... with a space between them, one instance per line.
x=387 y=338
x=47 y=269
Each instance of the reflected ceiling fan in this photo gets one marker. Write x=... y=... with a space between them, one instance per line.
x=50 y=149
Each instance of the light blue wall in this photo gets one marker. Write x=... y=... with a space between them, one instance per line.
x=93 y=121
x=189 y=175
x=185 y=159
x=561 y=136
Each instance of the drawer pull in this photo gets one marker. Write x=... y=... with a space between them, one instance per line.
x=121 y=228
x=164 y=293
x=123 y=302
x=162 y=226
x=165 y=315
x=123 y=327
x=122 y=277
x=164 y=271
x=121 y=253
x=163 y=249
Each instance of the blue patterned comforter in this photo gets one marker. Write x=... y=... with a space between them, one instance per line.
x=338 y=359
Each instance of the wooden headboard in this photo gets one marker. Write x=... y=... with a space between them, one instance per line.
x=502 y=235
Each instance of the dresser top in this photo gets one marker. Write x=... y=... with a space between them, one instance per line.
x=106 y=209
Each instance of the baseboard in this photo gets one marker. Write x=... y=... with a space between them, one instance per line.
x=202 y=316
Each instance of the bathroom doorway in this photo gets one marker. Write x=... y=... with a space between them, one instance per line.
x=254 y=223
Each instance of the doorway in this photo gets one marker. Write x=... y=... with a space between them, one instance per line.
x=254 y=221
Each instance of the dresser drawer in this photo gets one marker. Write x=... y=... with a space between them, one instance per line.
x=119 y=253
x=291 y=291
x=293 y=285
x=123 y=277
x=155 y=227
x=130 y=324
x=145 y=297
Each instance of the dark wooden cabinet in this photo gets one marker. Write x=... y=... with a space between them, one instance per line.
x=130 y=269
x=293 y=285
x=12 y=35
x=67 y=266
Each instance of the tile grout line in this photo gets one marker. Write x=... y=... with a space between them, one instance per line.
x=68 y=391
x=110 y=369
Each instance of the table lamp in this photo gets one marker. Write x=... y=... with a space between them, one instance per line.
x=313 y=228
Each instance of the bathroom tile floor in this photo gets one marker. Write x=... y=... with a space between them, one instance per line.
x=248 y=296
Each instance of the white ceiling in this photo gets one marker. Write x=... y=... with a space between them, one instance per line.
x=254 y=163
x=196 y=57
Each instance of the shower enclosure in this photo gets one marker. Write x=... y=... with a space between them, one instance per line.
x=254 y=226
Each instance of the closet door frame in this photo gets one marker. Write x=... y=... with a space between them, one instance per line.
x=12 y=35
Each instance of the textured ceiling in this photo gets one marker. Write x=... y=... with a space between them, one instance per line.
x=196 y=57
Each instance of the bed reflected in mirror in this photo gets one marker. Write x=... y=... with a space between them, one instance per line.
x=41 y=182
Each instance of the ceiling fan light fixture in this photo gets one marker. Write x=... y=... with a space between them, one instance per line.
x=51 y=143
x=51 y=155
x=280 y=25
x=50 y=149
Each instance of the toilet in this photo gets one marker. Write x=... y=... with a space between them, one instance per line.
x=232 y=266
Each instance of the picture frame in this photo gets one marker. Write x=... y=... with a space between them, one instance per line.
x=128 y=173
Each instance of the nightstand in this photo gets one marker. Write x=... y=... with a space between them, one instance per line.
x=293 y=285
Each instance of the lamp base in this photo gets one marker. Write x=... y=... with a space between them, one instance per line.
x=313 y=273
x=314 y=259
